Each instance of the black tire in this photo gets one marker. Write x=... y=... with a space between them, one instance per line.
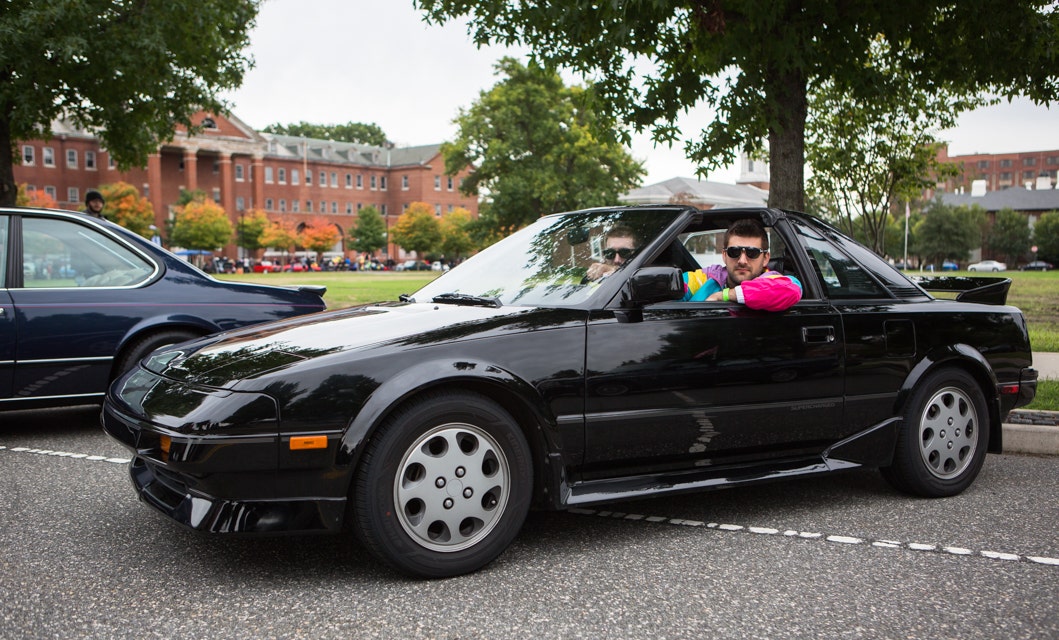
x=444 y=486
x=944 y=437
x=139 y=348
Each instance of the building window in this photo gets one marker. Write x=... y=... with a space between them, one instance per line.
x=349 y=180
x=437 y=211
x=309 y=179
x=268 y=175
x=282 y=205
x=1005 y=176
x=216 y=167
x=349 y=207
x=334 y=206
x=90 y=160
x=323 y=206
x=450 y=183
x=1029 y=162
x=437 y=183
x=360 y=181
x=268 y=204
x=282 y=174
x=1029 y=175
x=359 y=207
x=1005 y=163
x=372 y=183
x=239 y=173
x=49 y=157
x=240 y=204
x=308 y=204
x=404 y=183
x=984 y=164
x=73 y=194
x=50 y=190
x=334 y=180
x=295 y=176
x=71 y=158
x=27 y=155
x=217 y=195
x=382 y=210
x=1051 y=160
x=323 y=178
x=382 y=183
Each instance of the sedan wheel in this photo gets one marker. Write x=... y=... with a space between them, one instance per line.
x=943 y=440
x=444 y=486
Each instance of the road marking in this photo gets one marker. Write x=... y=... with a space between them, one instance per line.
x=65 y=454
x=814 y=535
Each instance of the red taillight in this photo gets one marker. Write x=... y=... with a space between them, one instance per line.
x=1009 y=389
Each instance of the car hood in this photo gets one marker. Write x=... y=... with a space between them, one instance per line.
x=237 y=356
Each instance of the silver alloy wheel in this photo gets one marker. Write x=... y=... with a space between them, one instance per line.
x=948 y=433
x=451 y=487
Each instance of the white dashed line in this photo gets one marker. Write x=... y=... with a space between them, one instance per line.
x=838 y=539
x=65 y=454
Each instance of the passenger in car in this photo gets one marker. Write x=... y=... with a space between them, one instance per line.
x=619 y=247
x=744 y=277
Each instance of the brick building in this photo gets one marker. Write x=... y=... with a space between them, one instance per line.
x=290 y=178
x=1001 y=170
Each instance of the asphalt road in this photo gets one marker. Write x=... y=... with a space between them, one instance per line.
x=835 y=557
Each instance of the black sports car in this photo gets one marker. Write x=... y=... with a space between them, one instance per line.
x=83 y=299
x=431 y=425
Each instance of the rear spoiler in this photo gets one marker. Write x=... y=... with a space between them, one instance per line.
x=969 y=288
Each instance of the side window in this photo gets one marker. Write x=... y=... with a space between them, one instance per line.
x=3 y=251
x=842 y=277
x=61 y=253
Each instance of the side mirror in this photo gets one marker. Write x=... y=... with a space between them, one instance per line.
x=653 y=284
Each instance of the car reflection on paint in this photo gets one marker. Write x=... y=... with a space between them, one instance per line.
x=431 y=426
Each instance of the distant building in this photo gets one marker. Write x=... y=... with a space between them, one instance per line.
x=290 y=178
x=751 y=190
x=1001 y=171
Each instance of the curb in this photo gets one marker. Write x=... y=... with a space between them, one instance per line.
x=1035 y=432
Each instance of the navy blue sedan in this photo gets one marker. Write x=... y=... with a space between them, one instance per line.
x=82 y=300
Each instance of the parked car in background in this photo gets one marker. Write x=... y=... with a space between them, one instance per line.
x=987 y=265
x=949 y=265
x=266 y=266
x=93 y=298
x=1038 y=265
x=413 y=265
x=432 y=425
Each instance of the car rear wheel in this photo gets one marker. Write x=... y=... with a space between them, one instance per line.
x=943 y=441
x=138 y=349
x=444 y=486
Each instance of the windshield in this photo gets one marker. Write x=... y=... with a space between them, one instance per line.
x=548 y=263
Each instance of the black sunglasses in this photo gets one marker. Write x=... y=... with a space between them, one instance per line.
x=624 y=253
x=751 y=252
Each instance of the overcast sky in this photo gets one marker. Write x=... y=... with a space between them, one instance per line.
x=376 y=61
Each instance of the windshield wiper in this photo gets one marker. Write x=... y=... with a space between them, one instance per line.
x=467 y=300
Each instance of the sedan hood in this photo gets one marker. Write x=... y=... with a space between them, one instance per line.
x=246 y=354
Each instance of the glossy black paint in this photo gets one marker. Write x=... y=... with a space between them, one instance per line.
x=627 y=393
x=59 y=345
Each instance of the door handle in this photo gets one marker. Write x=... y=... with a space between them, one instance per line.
x=818 y=335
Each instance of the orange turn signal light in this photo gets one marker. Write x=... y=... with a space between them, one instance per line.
x=300 y=443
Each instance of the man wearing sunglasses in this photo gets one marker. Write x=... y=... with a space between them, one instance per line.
x=620 y=246
x=744 y=277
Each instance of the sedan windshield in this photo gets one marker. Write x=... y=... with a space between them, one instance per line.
x=549 y=263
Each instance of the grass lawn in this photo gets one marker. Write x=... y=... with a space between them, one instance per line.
x=1035 y=292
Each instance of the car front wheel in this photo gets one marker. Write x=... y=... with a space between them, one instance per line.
x=943 y=440
x=444 y=486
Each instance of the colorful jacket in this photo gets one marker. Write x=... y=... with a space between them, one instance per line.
x=771 y=291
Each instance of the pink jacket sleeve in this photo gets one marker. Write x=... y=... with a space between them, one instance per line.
x=771 y=291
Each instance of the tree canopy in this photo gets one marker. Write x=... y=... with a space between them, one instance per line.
x=948 y=232
x=417 y=229
x=536 y=148
x=349 y=132
x=1009 y=237
x=753 y=63
x=201 y=224
x=125 y=206
x=1046 y=237
x=130 y=72
x=319 y=235
x=368 y=233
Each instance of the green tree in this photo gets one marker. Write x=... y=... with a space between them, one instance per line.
x=1046 y=236
x=201 y=224
x=417 y=229
x=1009 y=237
x=129 y=71
x=280 y=235
x=948 y=233
x=536 y=148
x=752 y=63
x=251 y=229
x=125 y=206
x=349 y=132
x=368 y=234
x=863 y=153
x=456 y=240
